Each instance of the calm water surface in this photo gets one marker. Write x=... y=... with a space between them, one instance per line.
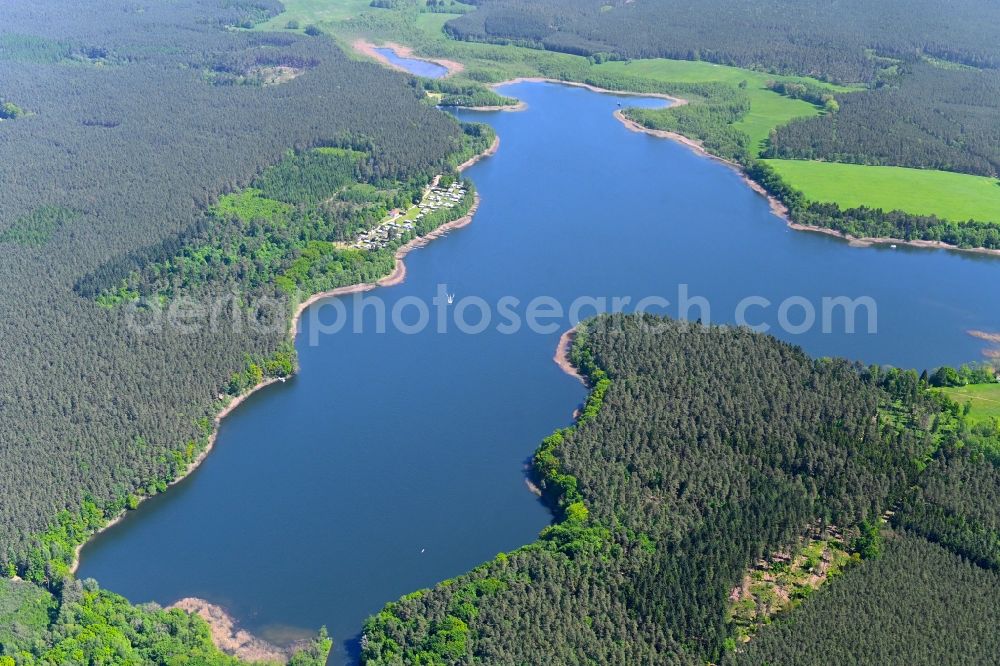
x=394 y=461
x=425 y=68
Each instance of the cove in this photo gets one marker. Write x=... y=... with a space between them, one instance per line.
x=394 y=461
x=425 y=68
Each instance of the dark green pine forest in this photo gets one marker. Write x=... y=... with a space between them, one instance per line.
x=700 y=455
x=131 y=135
x=140 y=117
x=828 y=41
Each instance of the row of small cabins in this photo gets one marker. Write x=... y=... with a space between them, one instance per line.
x=396 y=225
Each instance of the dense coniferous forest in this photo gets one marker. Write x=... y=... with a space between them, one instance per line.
x=701 y=451
x=144 y=138
x=926 y=116
x=956 y=502
x=830 y=42
x=143 y=128
x=917 y=604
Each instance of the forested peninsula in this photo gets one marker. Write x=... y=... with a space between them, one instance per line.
x=724 y=498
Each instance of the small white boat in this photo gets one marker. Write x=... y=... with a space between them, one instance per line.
x=893 y=246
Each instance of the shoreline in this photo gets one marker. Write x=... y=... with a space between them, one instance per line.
x=397 y=276
x=677 y=101
x=192 y=466
x=781 y=210
x=228 y=637
x=520 y=106
x=561 y=357
x=367 y=48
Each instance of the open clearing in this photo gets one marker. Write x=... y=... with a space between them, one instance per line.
x=985 y=399
x=950 y=196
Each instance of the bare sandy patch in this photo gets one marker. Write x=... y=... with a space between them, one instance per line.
x=985 y=335
x=369 y=49
x=561 y=357
x=228 y=637
x=277 y=74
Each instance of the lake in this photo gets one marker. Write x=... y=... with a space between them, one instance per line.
x=425 y=68
x=394 y=460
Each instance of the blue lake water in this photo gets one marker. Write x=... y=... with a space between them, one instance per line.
x=393 y=461
x=425 y=68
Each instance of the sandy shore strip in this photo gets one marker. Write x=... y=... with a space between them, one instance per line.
x=867 y=241
x=561 y=357
x=677 y=101
x=367 y=48
x=228 y=637
x=781 y=210
x=985 y=335
x=397 y=276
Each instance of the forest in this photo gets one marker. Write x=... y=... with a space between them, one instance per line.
x=845 y=43
x=700 y=452
x=87 y=625
x=289 y=229
x=169 y=143
x=924 y=116
x=156 y=120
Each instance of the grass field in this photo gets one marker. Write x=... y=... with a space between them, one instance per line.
x=985 y=399
x=767 y=108
x=950 y=196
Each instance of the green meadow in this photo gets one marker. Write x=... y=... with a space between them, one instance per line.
x=985 y=399
x=767 y=108
x=950 y=196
